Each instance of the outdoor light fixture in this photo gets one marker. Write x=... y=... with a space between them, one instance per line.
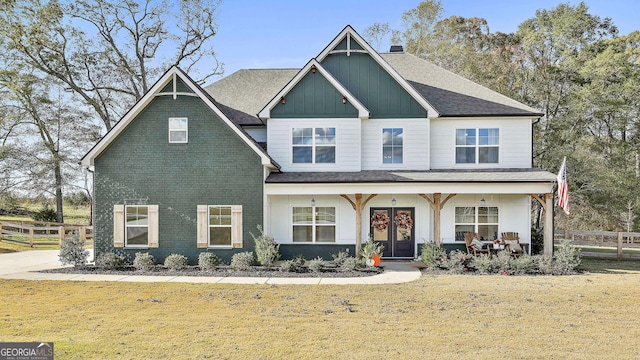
x=313 y=201
x=344 y=99
x=483 y=202
x=393 y=202
x=313 y=69
x=283 y=100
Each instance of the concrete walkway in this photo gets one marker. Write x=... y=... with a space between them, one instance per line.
x=24 y=265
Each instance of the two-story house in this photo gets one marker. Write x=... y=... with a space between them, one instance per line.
x=359 y=145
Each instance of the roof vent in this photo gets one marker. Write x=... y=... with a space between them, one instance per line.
x=396 y=48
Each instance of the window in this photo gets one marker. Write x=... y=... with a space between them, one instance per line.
x=137 y=226
x=477 y=146
x=219 y=226
x=392 y=145
x=482 y=220
x=314 y=145
x=178 y=130
x=314 y=224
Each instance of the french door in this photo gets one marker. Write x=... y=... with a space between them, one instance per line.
x=395 y=229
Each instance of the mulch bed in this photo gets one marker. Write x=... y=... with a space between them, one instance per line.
x=222 y=271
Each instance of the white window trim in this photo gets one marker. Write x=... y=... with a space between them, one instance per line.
x=209 y=226
x=126 y=227
x=403 y=163
x=185 y=130
x=476 y=223
x=477 y=146
x=313 y=146
x=314 y=225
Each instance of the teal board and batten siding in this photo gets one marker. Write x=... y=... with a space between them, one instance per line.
x=373 y=86
x=314 y=97
x=216 y=167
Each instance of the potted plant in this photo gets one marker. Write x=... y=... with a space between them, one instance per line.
x=372 y=251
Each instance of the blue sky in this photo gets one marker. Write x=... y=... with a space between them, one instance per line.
x=288 y=33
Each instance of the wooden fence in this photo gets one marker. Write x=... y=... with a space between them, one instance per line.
x=35 y=233
x=619 y=240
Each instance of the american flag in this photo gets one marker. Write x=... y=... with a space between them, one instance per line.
x=563 y=191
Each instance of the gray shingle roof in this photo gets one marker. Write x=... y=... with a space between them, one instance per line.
x=384 y=176
x=249 y=90
x=451 y=94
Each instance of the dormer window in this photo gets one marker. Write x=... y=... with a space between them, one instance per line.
x=178 y=130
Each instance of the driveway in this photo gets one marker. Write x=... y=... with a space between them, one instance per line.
x=24 y=261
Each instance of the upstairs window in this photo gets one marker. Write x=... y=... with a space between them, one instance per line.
x=477 y=146
x=392 y=145
x=178 y=130
x=313 y=145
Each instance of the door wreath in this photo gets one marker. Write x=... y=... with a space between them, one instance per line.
x=380 y=221
x=403 y=220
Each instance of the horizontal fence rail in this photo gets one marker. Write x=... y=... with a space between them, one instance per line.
x=35 y=233
x=620 y=240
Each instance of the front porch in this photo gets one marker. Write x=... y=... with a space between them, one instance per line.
x=305 y=212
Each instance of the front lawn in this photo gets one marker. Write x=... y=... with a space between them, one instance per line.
x=590 y=316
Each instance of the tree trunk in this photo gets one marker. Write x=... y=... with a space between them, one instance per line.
x=58 y=176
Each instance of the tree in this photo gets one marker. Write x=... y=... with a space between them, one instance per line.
x=376 y=33
x=108 y=51
x=418 y=27
x=48 y=136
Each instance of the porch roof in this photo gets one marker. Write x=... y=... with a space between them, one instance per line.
x=408 y=176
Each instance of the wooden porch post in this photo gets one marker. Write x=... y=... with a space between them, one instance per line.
x=548 y=225
x=436 y=205
x=358 y=205
x=547 y=204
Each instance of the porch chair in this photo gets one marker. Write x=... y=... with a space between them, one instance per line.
x=472 y=248
x=512 y=243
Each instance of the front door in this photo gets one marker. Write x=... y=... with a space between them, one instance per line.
x=394 y=228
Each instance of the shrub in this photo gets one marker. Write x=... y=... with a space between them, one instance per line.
x=208 y=261
x=242 y=260
x=45 y=214
x=340 y=258
x=352 y=263
x=567 y=258
x=294 y=265
x=544 y=265
x=317 y=264
x=503 y=263
x=431 y=254
x=483 y=263
x=72 y=251
x=523 y=264
x=110 y=261
x=457 y=262
x=267 y=249
x=144 y=261
x=176 y=262
x=371 y=248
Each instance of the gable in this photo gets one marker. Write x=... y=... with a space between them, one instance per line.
x=313 y=97
x=174 y=84
x=372 y=85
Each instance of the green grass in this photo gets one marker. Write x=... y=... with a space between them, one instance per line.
x=589 y=316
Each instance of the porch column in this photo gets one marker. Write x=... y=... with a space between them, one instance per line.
x=547 y=204
x=436 y=204
x=358 y=205
x=548 y=225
